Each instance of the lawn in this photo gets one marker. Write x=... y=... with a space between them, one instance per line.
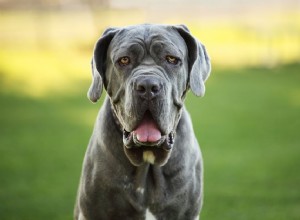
x=247 y=125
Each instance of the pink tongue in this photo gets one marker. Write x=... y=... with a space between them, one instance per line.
x=148 y=131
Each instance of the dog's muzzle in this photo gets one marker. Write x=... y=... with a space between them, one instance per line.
x=149 y=141
x=147 y=144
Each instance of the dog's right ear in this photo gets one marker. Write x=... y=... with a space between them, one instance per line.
x=99 y=64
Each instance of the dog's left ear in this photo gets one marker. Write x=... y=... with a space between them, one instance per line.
x=98 y=64
x=199 y=62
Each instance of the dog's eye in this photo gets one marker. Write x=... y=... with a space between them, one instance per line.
x=123 y=61
x=172 y=60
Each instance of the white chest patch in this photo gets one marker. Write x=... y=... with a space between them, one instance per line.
x=149 y=157
x=149 y=215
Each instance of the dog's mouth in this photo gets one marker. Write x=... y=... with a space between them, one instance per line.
x=147 y=143
x=148 y=134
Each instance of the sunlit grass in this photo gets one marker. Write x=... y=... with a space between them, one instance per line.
x=235 y=44
x=38 y=72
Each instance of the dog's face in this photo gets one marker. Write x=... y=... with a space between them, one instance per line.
x=146 y=71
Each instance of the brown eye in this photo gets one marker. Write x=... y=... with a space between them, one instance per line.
x=172 y=60
x=123 y=61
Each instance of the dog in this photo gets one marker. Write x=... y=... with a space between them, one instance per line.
x=143 y=160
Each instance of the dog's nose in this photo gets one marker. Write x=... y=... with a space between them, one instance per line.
x=148 y=88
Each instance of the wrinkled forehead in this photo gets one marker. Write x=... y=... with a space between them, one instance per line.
x=147 y=36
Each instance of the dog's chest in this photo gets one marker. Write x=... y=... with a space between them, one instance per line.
x=146 y=193
x=140 y=198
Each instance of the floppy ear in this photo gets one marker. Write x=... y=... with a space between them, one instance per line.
x=199 y=62
x=99 y=64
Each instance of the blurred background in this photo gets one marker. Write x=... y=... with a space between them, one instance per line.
x=247 y=124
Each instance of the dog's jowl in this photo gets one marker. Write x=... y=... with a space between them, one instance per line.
x=143 y=160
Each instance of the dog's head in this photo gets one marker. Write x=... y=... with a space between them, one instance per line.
x=146 y=71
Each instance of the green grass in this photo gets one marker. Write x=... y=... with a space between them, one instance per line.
x=247 y=125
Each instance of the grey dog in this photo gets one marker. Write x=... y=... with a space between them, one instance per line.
x=143 y=160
